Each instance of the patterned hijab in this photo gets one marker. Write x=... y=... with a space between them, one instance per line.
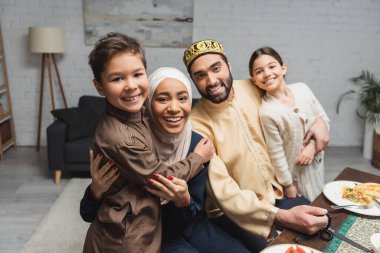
x=170 y=148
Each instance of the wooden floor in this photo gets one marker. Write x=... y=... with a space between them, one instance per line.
x=27 y=190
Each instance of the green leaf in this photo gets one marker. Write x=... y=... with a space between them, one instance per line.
x=369 y=96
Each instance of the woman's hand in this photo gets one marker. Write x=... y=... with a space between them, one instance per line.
x=170 y=188
x=205 y=149
x=307 y=154
x=290 y=191
x=102 y=178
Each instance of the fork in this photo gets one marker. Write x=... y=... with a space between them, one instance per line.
x=366 y=206
x=376 y=201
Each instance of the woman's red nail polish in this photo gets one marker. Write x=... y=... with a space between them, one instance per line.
x=110 y=162
x=170 y=177
x=150 y=181
x=156 y=175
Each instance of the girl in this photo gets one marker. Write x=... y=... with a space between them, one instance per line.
x=286 y=113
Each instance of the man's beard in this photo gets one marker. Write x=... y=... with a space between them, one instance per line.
x=220 y=97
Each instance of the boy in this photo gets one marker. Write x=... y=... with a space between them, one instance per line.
x=129 y=218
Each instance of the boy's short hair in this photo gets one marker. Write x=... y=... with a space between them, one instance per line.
x=108 y=47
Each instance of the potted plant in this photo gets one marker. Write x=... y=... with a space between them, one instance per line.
x=369 y=108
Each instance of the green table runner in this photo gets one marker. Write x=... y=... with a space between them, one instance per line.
x=356 y=228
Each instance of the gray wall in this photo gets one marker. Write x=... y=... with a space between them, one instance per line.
x=324 y=43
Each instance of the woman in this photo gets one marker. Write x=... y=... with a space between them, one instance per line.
x=186 y=227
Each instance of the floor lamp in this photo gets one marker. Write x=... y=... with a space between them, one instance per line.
x=48 y=41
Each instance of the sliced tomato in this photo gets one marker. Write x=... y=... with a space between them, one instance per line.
x=295 y=249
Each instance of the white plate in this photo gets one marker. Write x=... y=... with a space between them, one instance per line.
x=333 y=192
x=281 y=248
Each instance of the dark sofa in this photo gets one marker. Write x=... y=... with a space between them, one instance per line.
x=71 y=153
x=65 y=154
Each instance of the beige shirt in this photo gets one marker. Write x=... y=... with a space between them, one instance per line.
x=241 y=177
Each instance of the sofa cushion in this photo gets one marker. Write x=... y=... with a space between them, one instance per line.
x=81 y=121
x=96 y=103
x=78 y=151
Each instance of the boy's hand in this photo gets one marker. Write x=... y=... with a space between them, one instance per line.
x=205 y=149
x=170 y=188
x=307 y=154
x=102 y=178
x=290 y=191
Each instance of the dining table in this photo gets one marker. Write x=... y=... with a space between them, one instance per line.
x=338 y=217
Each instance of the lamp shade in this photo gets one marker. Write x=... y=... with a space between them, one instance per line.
x=46 y=40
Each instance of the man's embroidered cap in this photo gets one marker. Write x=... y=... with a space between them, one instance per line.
x=200 y=48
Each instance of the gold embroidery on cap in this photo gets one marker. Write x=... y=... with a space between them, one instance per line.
x=201 y=47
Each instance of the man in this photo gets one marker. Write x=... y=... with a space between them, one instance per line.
x=241 y=178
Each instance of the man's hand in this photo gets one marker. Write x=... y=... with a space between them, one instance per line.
x=290 y=191
x=320 y=132
x=304 y=219
x=102 y=178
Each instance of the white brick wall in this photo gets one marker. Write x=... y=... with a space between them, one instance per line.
x=323 y=42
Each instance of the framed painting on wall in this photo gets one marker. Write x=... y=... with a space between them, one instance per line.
x=155 y=23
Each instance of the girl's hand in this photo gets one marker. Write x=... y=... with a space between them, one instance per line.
x=307 y=154
x=170 y=188
x=290 y=191
x=205 y=149
x=102 y=178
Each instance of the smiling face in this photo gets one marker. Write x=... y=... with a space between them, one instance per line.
x=171 y=106
x=124 y=82
x=212 y=76
x=268 y=74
